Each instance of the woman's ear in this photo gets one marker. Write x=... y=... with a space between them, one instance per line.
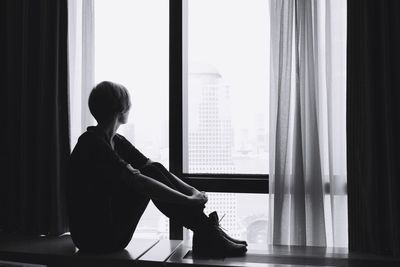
x=123 y=117
x=120 y=118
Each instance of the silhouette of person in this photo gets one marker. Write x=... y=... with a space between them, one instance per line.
x=110 y=183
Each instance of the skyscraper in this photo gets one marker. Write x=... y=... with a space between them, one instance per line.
x=210 y=132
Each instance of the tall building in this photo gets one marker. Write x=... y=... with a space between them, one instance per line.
x=210 y=132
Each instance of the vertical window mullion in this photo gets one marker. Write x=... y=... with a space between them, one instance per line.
x=175 y=99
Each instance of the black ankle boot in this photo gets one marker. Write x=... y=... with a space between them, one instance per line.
x=211 y=243
x=214 y=220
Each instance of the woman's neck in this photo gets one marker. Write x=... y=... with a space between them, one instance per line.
x=110 y=129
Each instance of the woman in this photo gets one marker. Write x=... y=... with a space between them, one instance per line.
x=111 y=182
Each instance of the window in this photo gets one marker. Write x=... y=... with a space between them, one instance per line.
x=219 y=80
x=199 y=106
x=219 y=84
x=226 y=81
x=131 y=48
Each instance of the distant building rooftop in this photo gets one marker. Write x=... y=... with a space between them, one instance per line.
x=201 y=68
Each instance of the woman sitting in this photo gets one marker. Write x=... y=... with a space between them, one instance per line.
x=110 y=184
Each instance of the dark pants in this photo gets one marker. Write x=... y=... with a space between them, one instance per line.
x=128 y=207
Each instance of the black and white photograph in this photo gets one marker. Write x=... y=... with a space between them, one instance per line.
x=180 y=133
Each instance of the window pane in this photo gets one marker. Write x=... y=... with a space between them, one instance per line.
x=132 y=48
x=226 y=86
x=237 y=219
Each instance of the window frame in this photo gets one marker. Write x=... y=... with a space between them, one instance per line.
x=234 y=183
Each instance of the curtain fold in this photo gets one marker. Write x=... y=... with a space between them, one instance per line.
x=373 y=97
x=35 y=141
x=308 y=201
x=81 y=64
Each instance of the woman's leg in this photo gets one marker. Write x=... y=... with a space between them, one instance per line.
x=115 y=228
x=207 y=239
x=192 y=218
x=128 y=207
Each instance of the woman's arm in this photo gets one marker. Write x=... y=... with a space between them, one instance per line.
x=135 y=158
x=159 y=191
x=187 y=189
x=183 y=187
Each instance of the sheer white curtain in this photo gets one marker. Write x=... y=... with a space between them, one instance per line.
x=308 y=198
x=81 y=64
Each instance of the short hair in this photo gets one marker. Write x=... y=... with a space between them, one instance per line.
x=107 y=99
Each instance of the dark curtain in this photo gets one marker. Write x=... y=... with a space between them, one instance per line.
x=373 y=132
x=35 y=128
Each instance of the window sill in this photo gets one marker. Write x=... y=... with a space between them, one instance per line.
x=60 y=251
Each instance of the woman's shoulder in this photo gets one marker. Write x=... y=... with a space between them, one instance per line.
x=88 y=141
x=93 y=134
x=120 y=137
x=87 y=138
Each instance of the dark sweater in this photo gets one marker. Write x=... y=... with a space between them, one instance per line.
x=97 y=173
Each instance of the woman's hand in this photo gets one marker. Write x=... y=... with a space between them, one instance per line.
x=198 y=198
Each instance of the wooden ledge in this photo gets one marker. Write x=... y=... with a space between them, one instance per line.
x=61 y=252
